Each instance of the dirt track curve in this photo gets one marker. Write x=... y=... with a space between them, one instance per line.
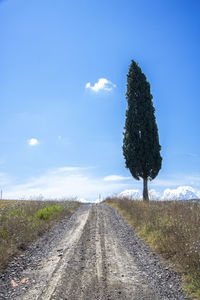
x=95 y=255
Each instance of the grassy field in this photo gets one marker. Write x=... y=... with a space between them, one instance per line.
x=170 y=228
x=21 y=222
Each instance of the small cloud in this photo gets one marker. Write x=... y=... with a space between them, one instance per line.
x=115 y=178
x=60 y=137
x=88 y=85
x=102 y=84
x=66 y=170
x=33 y=142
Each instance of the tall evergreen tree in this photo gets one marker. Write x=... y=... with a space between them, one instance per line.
x=141 y=146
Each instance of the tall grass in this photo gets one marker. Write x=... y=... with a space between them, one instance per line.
x=172 y=229
x=21 y=222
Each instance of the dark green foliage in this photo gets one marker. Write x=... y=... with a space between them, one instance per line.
x=141 y=146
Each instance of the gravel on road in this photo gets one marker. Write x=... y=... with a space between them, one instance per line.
x=94 y=255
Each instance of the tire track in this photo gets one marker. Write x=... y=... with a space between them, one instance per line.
x=51 y=269
x=94 y=260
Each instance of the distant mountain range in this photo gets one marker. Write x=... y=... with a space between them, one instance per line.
x=180 y=193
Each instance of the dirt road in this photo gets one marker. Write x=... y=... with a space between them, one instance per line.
x=96 y=255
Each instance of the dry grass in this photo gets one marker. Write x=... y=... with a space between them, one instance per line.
x=21 y=222
x=170 y=228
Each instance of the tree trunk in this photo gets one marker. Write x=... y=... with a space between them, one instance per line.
x=145 y=190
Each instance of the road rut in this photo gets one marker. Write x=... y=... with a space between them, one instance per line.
x=95 y=259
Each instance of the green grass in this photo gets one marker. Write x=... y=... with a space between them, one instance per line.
x=48 y=212
x=21 y=222
x=172 y=229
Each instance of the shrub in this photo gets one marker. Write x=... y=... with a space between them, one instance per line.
x=48 y=212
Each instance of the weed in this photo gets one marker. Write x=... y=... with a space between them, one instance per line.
x=21 y=222
x=172 y=228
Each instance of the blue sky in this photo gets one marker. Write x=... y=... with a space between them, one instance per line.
x=51 y=51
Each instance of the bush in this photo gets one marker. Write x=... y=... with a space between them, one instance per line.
x=48 y=212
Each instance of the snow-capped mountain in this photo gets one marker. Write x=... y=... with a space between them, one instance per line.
x=153 y=195
x=82 y=200
x=137 y=195
x=181 y=193
x=132 y=194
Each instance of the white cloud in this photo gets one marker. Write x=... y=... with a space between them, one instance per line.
x=65 y=169
x=115 y=178
x=102 y=84
x=88 y=85
x=78 y=182
x=33 y=142
x=64 y=182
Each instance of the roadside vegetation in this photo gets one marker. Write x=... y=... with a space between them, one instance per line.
x=21 y=222
x=172 y=229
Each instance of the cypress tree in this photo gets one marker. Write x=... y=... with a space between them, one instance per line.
x=141 y=148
